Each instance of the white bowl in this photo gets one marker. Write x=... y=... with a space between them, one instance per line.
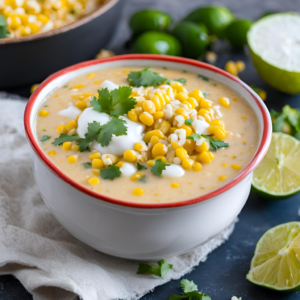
x=135 y=230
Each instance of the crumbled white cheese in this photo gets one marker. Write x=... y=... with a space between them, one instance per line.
x=200 y=127
x=168 y=111
x=173 y=137
x=180 y=120
x=177 y=160
x=128 y=169
x=109 y=85
x=181 y=136
x=71 y=112
x=173 y=171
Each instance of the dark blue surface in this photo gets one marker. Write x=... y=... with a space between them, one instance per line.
x=223 y=274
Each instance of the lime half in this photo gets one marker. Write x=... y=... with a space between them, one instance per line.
x=274 y=43
x=276 y=261
x=278 y=175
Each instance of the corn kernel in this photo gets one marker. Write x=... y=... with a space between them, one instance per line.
x=156 y=102
x=203 y=147
x=130 y=156
x=159 y=149
x=91 y=75
x=158 y=115
x=96 y=172
x=95 y=156
x=154 y=140
x=149 y=134
x=67 y=145
x=205 y=104
x=240 y=66
x=224 y=102
x=62 y=129
x=71 y=125
x=72 y=159
x=181 y=153
x=149 y=107
x=137 y=176
x=97 y=163
x=187 y=163
x=221 y=178
x=189 y=105
x=218 y=131
x=138 y=192
x=162 y=125
x=52 y=153
x=205 y=114
x=150 y=163
x=262 y=94
x=204 y=157
x=176 y=86
x=217 y=122
x=120 y=164
x=75 y=148
x=175 y=145
x=192 y=101
x=162 y=158
x=132 y=116
x=78 y=86
x=175 y=185
x=172 y=129
x=138 y=146
x=235 y=167
x=197 y=167
x=187 y=128
x=43 y=113
x=189 y=146
x=197 y=94
x=94 y=181
x=181 y=96
x=81 y=105
x=224 y=165
x=34 y=87
x=231 y=68
x=146 y=118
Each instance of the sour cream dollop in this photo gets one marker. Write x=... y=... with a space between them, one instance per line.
x=118 y=144
x=109 y=85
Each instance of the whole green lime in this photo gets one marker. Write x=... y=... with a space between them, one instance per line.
x=193 y=38
x=148 y=20
x=155 y=42
x=274 y=47
x=236 y=33
x=215 y=18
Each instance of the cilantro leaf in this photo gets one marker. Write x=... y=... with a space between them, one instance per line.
x=143 y=179
x=140 y=167
x=114 y=126
x=115 y=103
x=87 y=165
x=111 y=172
x=213 y=144
x=158 y=167
x=45 y=138
x=92 y=134
x=203 y=77
x=188 y=286
x=293 y=116
x=205 y=94
x=63 y=137
x=181 y=80
x=145 y=78
x=190 y=296
x=161 y=270
x=255 y=88
x=188 y=122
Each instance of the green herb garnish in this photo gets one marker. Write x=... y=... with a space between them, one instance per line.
x=65 y=86
x=158 y=167
x=203 y=77
x=72 y=11
x=181 y=80
x=188 y=122
x=111 y=172
x=87 y=165
x=190 y=292
x=145 y=78
x=3 y=29
x=205 y=94
x=63 y=137
x=45 y=138
x=140 y=167
x=161 y=270
x=143 y=179
x=213 y=144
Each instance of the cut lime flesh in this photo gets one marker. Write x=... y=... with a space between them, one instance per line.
x=274 y=42
x=278 y=175
x=276 y=261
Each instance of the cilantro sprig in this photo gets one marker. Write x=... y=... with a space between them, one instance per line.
x=181 y=80
x=161 y=270
x=213 y=144
x=188 y=122
x=111 y=172
x=158 y=167
x=190 y=292
x=145 y=78
x=45 y=138
x=140 y=167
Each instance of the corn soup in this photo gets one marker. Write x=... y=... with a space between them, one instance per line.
x=149 y=136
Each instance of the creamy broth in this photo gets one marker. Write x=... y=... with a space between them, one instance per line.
x=240 y=122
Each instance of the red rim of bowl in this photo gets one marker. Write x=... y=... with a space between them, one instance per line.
x=260 y=153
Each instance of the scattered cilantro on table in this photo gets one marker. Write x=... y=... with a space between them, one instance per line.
x=188 y=122
x=213 y=144
x=158 y=167
x=287 y=121
x=140 y=167
x=111 y=172
x=45 y=138
x=161 y=270
x=145 y=78
x=190 y=292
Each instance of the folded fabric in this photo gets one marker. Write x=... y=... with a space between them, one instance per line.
x=48 y=261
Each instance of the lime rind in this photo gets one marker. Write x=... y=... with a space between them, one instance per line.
x=276 y=258
x=278 y=175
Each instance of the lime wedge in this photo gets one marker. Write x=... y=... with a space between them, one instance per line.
x=278 y=175
x=276 y=261
x=274 y=43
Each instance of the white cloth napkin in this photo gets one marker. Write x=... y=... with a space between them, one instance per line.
x=48 y=261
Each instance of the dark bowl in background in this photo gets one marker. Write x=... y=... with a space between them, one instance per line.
x=31 y=59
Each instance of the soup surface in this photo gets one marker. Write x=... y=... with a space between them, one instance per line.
x=183 y=139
